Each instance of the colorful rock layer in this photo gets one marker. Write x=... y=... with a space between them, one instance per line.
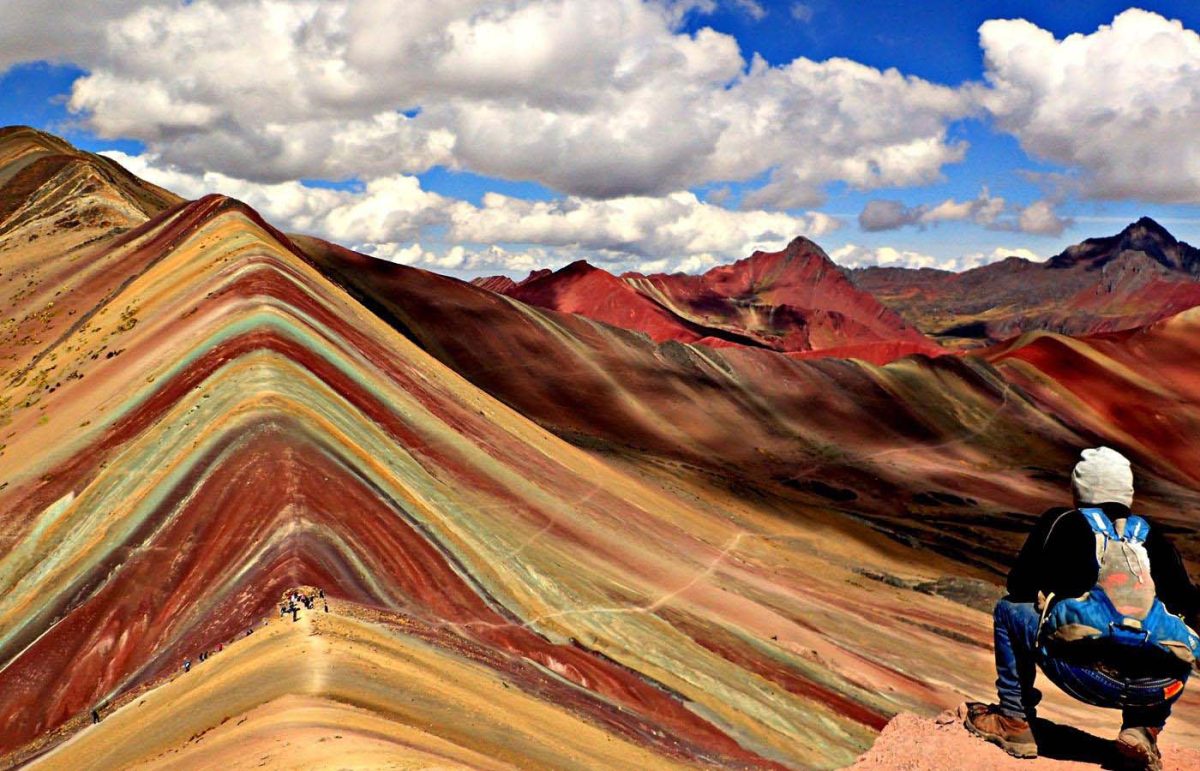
x=793 y=300
x=739 y=559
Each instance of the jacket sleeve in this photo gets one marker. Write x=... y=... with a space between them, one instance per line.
x=1025 y=578
x=1171 y=581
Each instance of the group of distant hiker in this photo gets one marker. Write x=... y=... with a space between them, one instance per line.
x=291 y=604
x=295 y=600
x=1101 y=602
x=205 y=655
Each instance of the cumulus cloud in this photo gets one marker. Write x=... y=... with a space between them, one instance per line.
x=676 y=224
x=387 y=209
x=855 y=123
x=1040 y=218
x=854 y=256
x=39 y=30
x=887 y=215
x=615 y=104
x=595 y=98
x=992 y=212
x=459 y=258
x=1116 y=106
x=697 y=263
x=390 y=216
x=982 y=210
x=890 y=215
x=394 y=219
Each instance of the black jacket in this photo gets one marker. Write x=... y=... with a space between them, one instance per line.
x=1060 y=557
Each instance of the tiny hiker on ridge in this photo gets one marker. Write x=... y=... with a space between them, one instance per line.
x=1097 y=600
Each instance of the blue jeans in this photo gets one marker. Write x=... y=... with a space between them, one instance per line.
x=1018 y=658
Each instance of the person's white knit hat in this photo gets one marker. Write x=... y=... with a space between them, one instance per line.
x=1102 y=476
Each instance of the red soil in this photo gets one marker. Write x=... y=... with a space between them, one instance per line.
x=792 y=300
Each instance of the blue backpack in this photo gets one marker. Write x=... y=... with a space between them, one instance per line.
x=1122 y=608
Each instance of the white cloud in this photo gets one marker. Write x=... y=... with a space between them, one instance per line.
x=492 y=259
x=44 y=30
x=992 y=212
x=889 y=215
x=596 y=98
x=1117 y=106
x=854 y=256
x=1040 y=218
x=676 y=224
x=752 y=8
x=834 y=120
x=611 y=102
x=982 y=210
x=390 y=214
x=654 y=266
x=697 y=263
x=802 y=12
x=392 y=208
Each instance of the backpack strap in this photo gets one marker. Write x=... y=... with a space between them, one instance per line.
x=1135 y=530
x=1100 y=523
x=1103 y=528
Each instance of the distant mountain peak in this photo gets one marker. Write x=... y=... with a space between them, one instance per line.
x=1151 y=225
x=803 y=243
x=798 y=246
x=578 y=267
x=1146 y=236
x=799 y=261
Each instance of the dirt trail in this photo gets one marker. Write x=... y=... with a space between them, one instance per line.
x=915 y=743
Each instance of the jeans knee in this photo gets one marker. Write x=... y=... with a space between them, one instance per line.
x=1002 y=610
x=1017 y=618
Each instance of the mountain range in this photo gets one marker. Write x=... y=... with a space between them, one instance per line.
x=1123 y=281
x=799 y=301
x=795 y=301
x=545 y=539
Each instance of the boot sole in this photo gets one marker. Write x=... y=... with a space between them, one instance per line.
x=1139 y=757
x=1016 y=749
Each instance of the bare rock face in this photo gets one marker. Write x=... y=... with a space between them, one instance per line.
x=1136 y=277
x=794 y=300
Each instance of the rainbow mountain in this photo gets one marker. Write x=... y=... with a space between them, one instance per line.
x=544 y=541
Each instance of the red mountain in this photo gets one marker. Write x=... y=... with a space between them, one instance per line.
x=1136 y=277
x=794 y=300
x=604 y=551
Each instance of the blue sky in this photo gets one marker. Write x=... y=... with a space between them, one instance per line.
x=512 y=160
x=938 y=40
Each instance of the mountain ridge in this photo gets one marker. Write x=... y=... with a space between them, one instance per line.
x=793 y=300
x=724 y=556
x=1130 y=279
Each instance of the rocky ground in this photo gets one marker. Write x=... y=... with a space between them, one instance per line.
x=914 y=743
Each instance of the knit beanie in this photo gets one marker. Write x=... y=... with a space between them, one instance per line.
x=1102 y=476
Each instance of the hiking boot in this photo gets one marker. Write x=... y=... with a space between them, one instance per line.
x=1139 y=747
x=1011 y=734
